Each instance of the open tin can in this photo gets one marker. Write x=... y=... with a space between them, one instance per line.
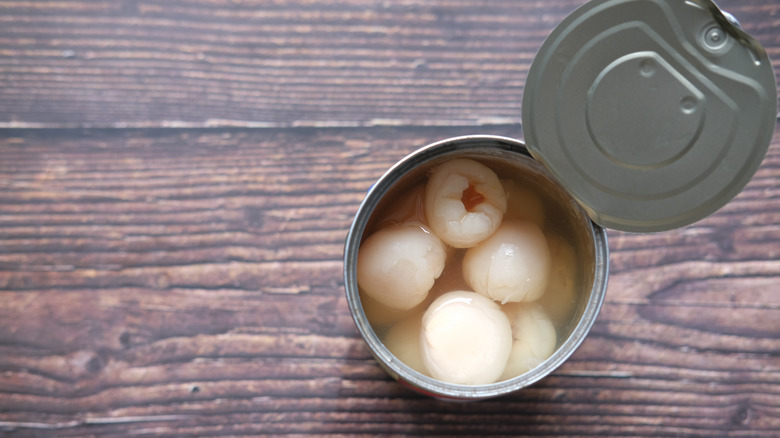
x=639 y=115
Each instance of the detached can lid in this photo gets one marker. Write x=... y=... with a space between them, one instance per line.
x=653 y=114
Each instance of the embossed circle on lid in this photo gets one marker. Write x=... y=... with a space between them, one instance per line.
x=652 y=113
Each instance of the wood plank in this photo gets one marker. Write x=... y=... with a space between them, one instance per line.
x=219 y=63
x=178 y=282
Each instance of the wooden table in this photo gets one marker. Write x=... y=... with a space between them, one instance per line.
x=177 y=179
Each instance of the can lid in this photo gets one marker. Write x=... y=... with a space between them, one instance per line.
x=652 y=113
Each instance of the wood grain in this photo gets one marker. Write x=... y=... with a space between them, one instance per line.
x=214 y=63
x=189 y=282
x=176 y=183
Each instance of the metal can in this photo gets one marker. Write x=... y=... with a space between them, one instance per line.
x=510 y=153
x=647 y=115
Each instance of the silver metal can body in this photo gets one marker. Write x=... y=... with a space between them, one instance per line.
x=508 y=152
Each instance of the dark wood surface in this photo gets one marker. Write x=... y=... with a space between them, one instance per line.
x=176 y=183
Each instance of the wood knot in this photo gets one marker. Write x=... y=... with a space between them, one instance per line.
x=94 y=365
x=741 y=416
x=84 y=363
x=124 y=339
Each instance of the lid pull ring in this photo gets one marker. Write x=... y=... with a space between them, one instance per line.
x=731 y=26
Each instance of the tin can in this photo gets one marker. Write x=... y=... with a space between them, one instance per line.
x=512 y=153
x=641 y=115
